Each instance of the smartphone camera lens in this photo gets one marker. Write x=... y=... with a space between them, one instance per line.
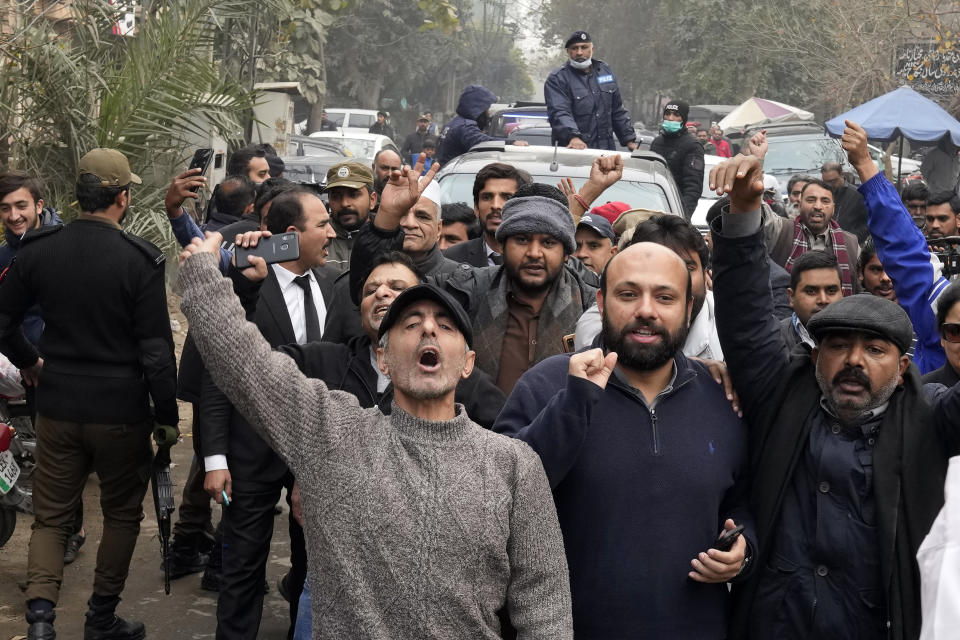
x=284 y=247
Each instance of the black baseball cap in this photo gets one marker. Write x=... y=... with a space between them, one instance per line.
x=427 y=292
x=576 y=38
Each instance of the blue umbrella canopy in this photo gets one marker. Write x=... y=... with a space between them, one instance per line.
x=902 y=112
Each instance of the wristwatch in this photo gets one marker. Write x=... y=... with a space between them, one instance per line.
x=748 y=556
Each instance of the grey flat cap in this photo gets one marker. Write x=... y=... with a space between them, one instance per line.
x=864 y=313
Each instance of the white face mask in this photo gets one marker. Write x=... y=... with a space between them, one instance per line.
x=581 y=65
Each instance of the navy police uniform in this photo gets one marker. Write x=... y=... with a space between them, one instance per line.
x=587 y=104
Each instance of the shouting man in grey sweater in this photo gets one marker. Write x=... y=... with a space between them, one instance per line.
x=420 y=524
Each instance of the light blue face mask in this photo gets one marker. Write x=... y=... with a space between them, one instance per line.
x=671 y=126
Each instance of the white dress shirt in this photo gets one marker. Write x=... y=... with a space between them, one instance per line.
x=293 y=297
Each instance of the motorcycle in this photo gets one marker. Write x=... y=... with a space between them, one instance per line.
x=18 y=447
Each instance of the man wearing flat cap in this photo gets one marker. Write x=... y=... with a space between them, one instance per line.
x=583 y=101
x=849 y=450
x=107 y=376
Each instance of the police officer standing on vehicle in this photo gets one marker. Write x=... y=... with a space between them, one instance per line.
x=583 y=101
x=107 y=353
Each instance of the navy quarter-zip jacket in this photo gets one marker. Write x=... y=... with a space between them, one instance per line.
x=639 y=491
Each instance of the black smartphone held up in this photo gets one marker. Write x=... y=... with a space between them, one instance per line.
x=201 y=160
x=726 y=539
x=282 y=247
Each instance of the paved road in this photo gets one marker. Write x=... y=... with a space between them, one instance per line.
x=187 y=613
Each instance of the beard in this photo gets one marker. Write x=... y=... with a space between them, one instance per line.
x=849 y=406
x=408 y=381
x=643 y=357
x=530 y=284
x=350 y=212
x=698 y=302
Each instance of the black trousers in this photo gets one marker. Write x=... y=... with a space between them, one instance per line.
x=195 y=513
x=247 y=526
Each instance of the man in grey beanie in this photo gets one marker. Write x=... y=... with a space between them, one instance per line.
x=535 y=298
x=538 y=215
x=521 y=310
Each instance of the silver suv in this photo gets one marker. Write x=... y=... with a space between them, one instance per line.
x=646 y=183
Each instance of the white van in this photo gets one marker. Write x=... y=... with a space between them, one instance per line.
x=352 y=120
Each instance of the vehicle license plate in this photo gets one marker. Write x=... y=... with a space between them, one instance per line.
x=9 y=471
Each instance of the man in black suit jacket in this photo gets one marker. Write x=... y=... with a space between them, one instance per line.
x=291 y=309
x=494 y=185
x=196 y=546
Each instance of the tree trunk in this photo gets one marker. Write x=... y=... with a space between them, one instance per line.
x=314 y=119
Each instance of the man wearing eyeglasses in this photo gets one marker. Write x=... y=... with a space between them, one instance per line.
x=902 y=250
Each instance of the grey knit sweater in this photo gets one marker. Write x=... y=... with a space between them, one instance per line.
x=415 y=529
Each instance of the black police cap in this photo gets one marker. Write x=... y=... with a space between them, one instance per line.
x=577 y=37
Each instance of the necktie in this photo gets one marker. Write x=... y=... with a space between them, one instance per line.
x=496 y=258
x=309 y=309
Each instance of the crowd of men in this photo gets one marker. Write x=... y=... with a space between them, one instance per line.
x=540 y=416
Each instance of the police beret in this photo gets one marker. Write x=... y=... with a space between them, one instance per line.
x=577 y=37
x=864 y=313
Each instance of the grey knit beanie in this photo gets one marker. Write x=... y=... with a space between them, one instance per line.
x=536 y=214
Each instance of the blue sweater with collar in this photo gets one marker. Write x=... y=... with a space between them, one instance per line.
x=639 y=491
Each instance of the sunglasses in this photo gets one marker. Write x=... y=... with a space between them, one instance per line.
x=950 y=331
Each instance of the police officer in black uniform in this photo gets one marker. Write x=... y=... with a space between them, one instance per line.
x=583 y=101
x=108 y=352
x=683 y=153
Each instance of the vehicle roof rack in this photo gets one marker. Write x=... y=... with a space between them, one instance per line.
x=490 y=145
x=642 y=154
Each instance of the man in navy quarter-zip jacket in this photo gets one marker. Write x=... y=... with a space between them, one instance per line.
x=646 y=459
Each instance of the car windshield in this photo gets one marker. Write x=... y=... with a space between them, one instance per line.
x=313 y=173
x=362 y=120
x=335 y=117
x=801 y=154
x=359 y=148
x=458 y=187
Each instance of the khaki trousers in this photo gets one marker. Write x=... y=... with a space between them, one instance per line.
x=121 y=455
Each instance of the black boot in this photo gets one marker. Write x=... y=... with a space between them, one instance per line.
x=211 y=574
x=41 y=625
x=186 y=556
x=104 y=624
